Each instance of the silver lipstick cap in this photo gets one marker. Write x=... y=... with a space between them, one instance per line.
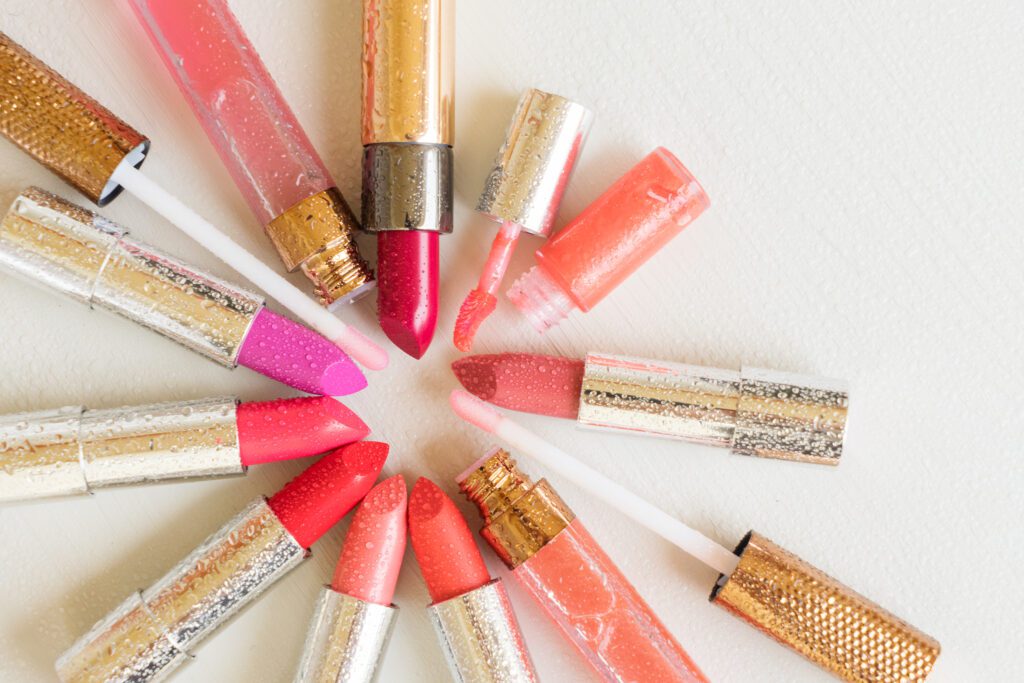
x=764 y=413
x=346 y=639
x=407 y=186
x=154 y=631
x=46 y=240
x=69 y=451
x=535 y=162
x=480 y=637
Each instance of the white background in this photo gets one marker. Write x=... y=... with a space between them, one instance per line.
x=864 y=165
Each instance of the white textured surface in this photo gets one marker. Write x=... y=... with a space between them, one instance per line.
x=864 y=165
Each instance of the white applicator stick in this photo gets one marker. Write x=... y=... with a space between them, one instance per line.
x=476 y=412
x=350 y=340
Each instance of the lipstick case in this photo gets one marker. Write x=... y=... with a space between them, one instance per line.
x=46 y=240
x=756 y=412
x=408 y=114
x=480 y=636
x=346 y=639
x=71 y=450
x=154 y=631
x=63 y=128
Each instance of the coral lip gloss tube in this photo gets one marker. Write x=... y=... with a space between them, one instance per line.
x=52 y=243
x=73 y=450
x=260 y=141
x=154 y=631
x=561 y=565
x=354 y=616
x=471 y=613
x=614 y=236
x=757 y=412
x=408 y=125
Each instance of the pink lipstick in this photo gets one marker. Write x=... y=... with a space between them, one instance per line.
x=155 y=630
x=73 y=450
x=50 y=242
x=471 y=613
x=756 y=412
x=354 y=615
x=407 y=262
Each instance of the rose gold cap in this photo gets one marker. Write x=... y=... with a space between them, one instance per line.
x=823 y=620
x=60 y=126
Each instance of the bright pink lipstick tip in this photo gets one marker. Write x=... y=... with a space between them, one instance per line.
x=474 y=411
x=299 y=357
x=527 y=382
x=407 y=282
x=448 y=557
x=372 y=555
x=288 y=428
x=314 y=501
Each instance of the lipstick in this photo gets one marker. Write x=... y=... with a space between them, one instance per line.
x=757 y=412
x=354 y=616
x=610 y=240
x=54 y=244
x=84 y=143
x=763 y=584
x=155 y=630
x=472 y=614
x=264 y=147
x=408 y=122
x=523 y=191
x=73 y=450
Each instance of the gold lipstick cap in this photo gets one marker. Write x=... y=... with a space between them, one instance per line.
x=807 y=610
x=60 y=126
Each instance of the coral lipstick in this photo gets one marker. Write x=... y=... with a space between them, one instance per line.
x=155 y=630
x=72 y=450
x=763 y=413
x=354 y=615
x=471 y=613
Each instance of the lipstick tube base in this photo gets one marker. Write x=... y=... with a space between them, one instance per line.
x=346 y=640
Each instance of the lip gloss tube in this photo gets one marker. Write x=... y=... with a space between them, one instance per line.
x=609 y=240
x=260 y=141
x=408 y=125
x=598 y=610
x=154 y=631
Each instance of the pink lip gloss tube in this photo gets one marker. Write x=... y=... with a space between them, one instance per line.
x=600 y=612
x=260 y=141
x=614 y=236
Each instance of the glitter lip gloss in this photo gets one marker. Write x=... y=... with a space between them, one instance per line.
x=614 y=236
x=537 y=536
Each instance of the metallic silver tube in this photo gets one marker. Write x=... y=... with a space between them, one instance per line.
x=756 y=412
x=346 y=640
x=46 y=240
x=407 y=186
x=69 y=451
x=153 y=632
x=480 y=637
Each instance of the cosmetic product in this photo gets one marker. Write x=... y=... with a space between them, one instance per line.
x=614 y=236
x=84 y=143
x=73 y=450
x=61 y=247
x=756 y=412
x=408 y=122
x=763 y=584
x=523 y=191
x=472 y=614
x=155 y=630
x=260 y=141
x=354 y=615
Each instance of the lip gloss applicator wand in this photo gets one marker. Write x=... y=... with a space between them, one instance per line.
x=84 y=143
x=763 y=584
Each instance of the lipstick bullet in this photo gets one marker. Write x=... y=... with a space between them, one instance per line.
x=408 y=123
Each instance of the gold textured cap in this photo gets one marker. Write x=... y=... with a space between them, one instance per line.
x=60 y=126
x=826 y=622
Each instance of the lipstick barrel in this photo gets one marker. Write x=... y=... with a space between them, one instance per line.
x=154 y=631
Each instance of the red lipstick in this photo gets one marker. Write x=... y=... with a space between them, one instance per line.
x=471 y=613
x=154 y=631
x=407 y=263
